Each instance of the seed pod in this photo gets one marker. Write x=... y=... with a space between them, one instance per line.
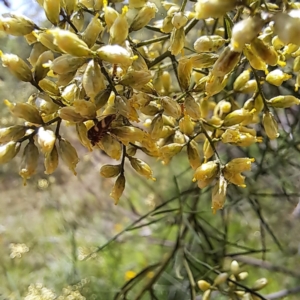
x=9 y=151
x=69 y=6
x=119 y=29
x=92 y=31
x=24 y=111
x=206 y=171
x=179 y=20
x=219 y=197
x=170 y=150
x=111 y=146
x=226 y=62
x=213 y=9
x=277 y=77
x=68 y=113
x=265 y=52
x=177 y=41
x=29 y=161
x=192 y=108
x=156 y=126
x=46 y=139
x=203 y=285
x=40 y=69
x=68 y=154
x=171 y=107
x=203 y=60
x=16 y=66
x=144 y=16
x=208 y=43
x=193 y=154
x=184 y=69
x=118 y=188
x=241 y=80
x=115 y=54
x=260 y=284
x=284 y=101
x=141 y=167
x=109 y=171
x=47 y=39
x=186 y=125
x=82 y=135
x=12 y=133
x=129 y=134
x=52 y=9
x=93 y=80
x=16 y=24
x=69 y=42
x=66 y=63
x=245 y=31
x=270 y=125
x=221 y=278
x=51 y=161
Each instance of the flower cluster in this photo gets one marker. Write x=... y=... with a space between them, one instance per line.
x=90 y=70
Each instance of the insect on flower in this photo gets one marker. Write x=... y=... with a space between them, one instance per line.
x=96 y=133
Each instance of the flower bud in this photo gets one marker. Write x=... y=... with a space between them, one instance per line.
x=171 y=107
x=207 y=171
x=137 y=3
x=24 y=111
x=221 y=278
x=119 y=29
x=203 y=60
x=177 y=41
x=144 y=16
x=92 y=31
x=219 y=194
x=69 y=6
x=167 y=25
x=215 y=84
x=16 y=24
x=179 y=20
x=184 y=70
x=141 y=167
x=284 y=101
x=49 y=87
x=226 y=62
x=110 y=15
x=77 y=20
x=270 y=125
x=115 y=54
x=47 y=39
x=192 y=108
x=68 y=154
x=265 y=52
x=193 y=154
x=118 y=188
x=36 y=51
x=136 y=78
x=277 y=77
x=46 y=139
x=245 y=31
x=297 y=82
x=235 y=178
x=128 y=134
x=29 y=161
x=93 y=80
x=242 y=275
x=255 y=62
x=51 y=161
x=12 y=133
x=186 y=125
x=66 y=63
x=9 y=151
x=238 y=165
x=213 y=9
x=249 y=87
x=165 y=79
x=82 y=135
x=16 y=66
x=111 y=146
x=170 y=150
x=208 y=150
x=241 y=80
x=206 y=295
x=240 y=116
x=41 y=69
x=69 y=42
x=109 y=171
x=156 y=126
x=208 y=43
x=259 y=284
x=234 y=267
x=52 y=10
x=203 y=285
x=277 y=43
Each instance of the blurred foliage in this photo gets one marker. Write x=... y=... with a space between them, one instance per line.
x=196 y=89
